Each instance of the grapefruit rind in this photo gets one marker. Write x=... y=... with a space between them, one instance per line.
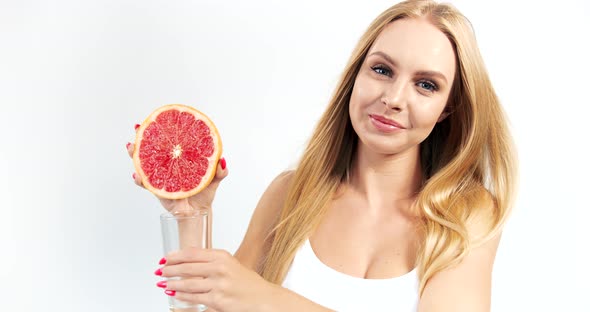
x=213 y=159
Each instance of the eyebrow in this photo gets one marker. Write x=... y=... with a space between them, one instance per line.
x=420 y=73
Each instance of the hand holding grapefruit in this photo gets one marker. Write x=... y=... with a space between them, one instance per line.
x=176 y=155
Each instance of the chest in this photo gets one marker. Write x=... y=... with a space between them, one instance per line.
x=361 y=242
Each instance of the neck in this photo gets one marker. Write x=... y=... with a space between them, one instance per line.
x=386 y=180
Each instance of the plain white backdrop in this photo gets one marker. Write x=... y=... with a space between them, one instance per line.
x=77 y=235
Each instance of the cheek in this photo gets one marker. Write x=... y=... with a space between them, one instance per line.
x=356 y=98
x=426 y=116
x=363 y=93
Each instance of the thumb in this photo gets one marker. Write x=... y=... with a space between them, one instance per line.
x=220 y=173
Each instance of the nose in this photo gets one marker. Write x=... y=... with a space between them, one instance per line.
x=394 y=96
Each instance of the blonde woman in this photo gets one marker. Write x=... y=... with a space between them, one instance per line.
x=398 y=201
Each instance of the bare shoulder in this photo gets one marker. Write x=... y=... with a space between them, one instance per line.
x=264 y=218
x=467 y=285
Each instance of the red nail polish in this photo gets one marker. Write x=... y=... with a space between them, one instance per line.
x=136 y=126
x=127 y=145
x=223 y=163
x=133 y=176
x=161 y=284
x=162 y=261
x=158 y=272
x=170 y=293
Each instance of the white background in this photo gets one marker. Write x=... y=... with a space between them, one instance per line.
x=75 y=76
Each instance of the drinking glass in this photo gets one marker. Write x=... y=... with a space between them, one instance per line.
x=181 y=230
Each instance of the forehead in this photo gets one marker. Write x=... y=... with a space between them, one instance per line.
x=416 y=44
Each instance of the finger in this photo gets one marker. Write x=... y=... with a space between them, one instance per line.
x=194 y=254
x=190 y=285
x=222 y=170
x=196 y=298
x=220 y=173
x=130 y=148
x=137 y=179
x=192 y=269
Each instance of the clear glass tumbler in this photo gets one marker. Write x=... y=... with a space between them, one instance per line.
x=181 y=230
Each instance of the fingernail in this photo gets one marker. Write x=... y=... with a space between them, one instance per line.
x=170 y=293
x=223 y=164
x=127 y=146
x=136 y=126
x=158 y=272
x=162 y=261
x=161 y=284
x=133 y=176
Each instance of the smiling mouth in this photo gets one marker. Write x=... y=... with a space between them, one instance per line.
x=385 y=123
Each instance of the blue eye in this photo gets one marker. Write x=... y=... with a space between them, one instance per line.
x=381 y=70
x=427 y=85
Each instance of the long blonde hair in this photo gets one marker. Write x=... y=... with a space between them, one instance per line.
x=467 y=160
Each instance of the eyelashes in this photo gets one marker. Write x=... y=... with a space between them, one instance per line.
x=425 y=84
x=382 y=70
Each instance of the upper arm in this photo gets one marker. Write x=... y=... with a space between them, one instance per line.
x=264 y=218
x=465 y=287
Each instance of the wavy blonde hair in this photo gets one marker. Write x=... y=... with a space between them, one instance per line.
x=468 y=162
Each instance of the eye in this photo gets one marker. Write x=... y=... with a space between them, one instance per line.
x=427 y=85
x=381 y=70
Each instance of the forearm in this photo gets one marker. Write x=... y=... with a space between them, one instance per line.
x=285 y=300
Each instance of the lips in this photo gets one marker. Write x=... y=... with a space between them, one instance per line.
x=386 y=121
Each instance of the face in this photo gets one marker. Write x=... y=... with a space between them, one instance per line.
x=402 y=87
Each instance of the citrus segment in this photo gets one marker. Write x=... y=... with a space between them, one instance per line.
x=177 y=149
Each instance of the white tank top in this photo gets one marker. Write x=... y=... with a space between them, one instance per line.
x=316 y=281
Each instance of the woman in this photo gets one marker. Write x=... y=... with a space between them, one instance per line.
x=399 y=199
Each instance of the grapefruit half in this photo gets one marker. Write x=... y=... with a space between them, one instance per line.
x=176 y=151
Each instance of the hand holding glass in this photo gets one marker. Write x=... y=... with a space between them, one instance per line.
x=183 y=230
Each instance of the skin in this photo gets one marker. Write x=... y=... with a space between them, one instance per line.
x=386 y=172
x=371 y=213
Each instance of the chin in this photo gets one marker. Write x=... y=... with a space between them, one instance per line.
x=380 y=146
